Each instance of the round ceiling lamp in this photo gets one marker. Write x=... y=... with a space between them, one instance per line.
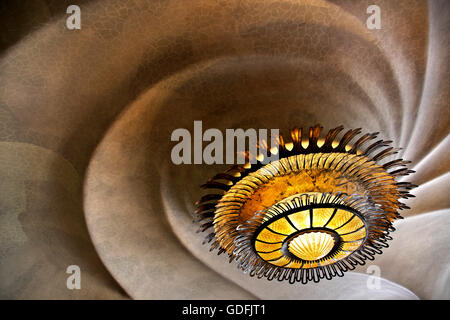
x=324 y=207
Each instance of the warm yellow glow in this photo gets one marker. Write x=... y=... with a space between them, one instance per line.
x=270 y=236
x=322 y=216
x=315 y=226
x=323 y=201
x=339 y=219
x=299 y=174
x=279 y=182
x=283 y=226
x=311 y=246
x=262 y=247
x=301 y=219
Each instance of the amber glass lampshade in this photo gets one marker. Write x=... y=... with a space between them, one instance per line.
x=319 y=210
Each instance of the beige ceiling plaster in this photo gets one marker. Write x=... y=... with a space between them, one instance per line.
x=99 y=105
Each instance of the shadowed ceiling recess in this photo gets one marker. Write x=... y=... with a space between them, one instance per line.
x=324 y=207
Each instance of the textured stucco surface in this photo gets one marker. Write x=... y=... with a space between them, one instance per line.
x=86 y=118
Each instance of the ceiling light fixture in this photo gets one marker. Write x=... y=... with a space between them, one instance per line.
x=324 y=207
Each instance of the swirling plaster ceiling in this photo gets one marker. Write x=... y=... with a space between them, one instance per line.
x=86 y=117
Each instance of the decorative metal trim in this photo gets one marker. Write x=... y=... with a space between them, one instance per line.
x=235 y=240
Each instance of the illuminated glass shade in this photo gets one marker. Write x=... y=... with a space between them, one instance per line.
x=321 y=209
x=311 y=246
x=302 y=232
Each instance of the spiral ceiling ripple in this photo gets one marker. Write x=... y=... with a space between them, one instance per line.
x=86 y=118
